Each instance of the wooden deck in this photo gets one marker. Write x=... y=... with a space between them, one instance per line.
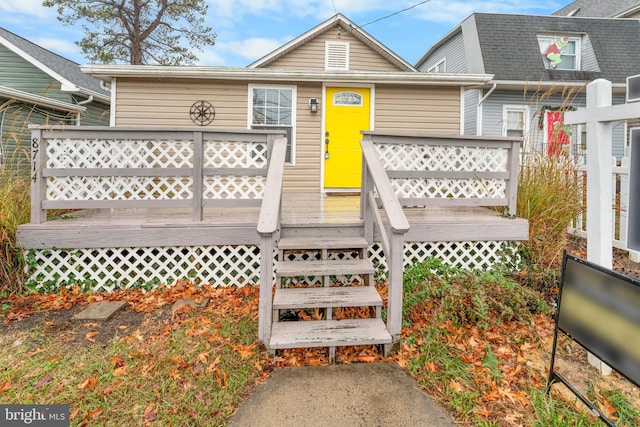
x=191 y=202
x=237 y=225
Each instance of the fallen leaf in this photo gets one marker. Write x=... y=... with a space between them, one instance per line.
x=4 y=386
x=89 y=336
x=93 y=414
x=456 y=386
x=89 y=384
x=110 y=388
x=16 y=342
x=173 y=373
x=42 y=382
x=55 y=359
x=431 y=366
x=244 y=351
x=37 y=351
x=150 y=413
x=91 y=325
x=482 y=411
x=122 y=370
x=117 y=361
x=74 y=414
x=203 y=357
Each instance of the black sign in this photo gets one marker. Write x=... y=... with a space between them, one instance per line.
x=633 y=88
x=601 y=310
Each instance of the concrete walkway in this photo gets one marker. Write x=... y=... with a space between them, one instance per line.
x=371 y=394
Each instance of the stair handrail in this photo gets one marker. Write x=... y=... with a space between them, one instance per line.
x=268 y=227
x=375 y=179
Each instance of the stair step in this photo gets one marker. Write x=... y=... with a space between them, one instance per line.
x=300 y=243
x=324 y=267
x=342 y=296
x=328 y=333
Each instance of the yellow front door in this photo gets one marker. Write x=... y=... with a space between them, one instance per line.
x=347 y=113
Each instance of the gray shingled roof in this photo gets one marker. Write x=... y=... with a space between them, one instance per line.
x=598 y=8
x=64 y=67
x=510 y=47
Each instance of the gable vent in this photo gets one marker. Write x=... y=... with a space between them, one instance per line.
x=336 y=56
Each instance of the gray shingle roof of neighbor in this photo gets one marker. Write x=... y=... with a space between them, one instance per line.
x=598 y=8
x=62 y=66
x=510 y=47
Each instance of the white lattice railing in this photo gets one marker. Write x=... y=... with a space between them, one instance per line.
x=450 y=170
x=620 y=205
x=85 y=168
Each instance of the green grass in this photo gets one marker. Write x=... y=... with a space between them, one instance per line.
x=463 y=346
x=194 y=373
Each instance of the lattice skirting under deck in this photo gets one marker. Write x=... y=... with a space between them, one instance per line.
x=107 y=269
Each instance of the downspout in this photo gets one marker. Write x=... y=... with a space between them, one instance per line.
x=86 y=101
x=4 y=111
x=479 y=109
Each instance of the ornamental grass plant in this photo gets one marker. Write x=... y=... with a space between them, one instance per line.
x=549 y=197
x=15 y=205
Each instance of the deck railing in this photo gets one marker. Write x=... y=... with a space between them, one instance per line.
x=269 y=228
x=426 y=170
x=106 y=167
x=439 y=170
x=376 y=186
x=620 y=205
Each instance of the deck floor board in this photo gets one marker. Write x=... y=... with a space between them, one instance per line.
x=162 y=227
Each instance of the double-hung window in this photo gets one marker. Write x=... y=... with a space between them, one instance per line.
x=273 y=107
x=560 y=52
x=515 y=120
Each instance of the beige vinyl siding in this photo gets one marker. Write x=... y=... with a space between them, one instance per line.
x=417 y=109
x=304 y=176
x=166 y=102
x=311 y=55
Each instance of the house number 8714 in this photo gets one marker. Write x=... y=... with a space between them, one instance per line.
x=34 y=158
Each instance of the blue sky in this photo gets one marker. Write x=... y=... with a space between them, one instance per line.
x=249 y=29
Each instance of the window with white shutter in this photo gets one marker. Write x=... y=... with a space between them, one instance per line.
x=336 y=56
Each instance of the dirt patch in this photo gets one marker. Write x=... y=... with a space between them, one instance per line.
x=61 y=323
x=621 y=262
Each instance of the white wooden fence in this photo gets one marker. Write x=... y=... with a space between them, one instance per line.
x=620 y=204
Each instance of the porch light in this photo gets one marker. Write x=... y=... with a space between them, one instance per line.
x=313 y=105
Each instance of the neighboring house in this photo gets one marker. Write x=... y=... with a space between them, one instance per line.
x=541 y=66
x=40 y=87
x=322 y=88
x=601 y=9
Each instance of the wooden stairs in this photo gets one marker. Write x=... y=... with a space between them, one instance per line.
x=319 y=271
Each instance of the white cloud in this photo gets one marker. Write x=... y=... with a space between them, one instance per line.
x=454 y=11
x=57 y=45
x=282 y=10
x=252 y=48
x=210 y=57
x=26 y=7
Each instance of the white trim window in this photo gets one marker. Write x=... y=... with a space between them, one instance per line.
x=439 y=67
x=560 y=52
x=515 y=120
x=273 y=107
